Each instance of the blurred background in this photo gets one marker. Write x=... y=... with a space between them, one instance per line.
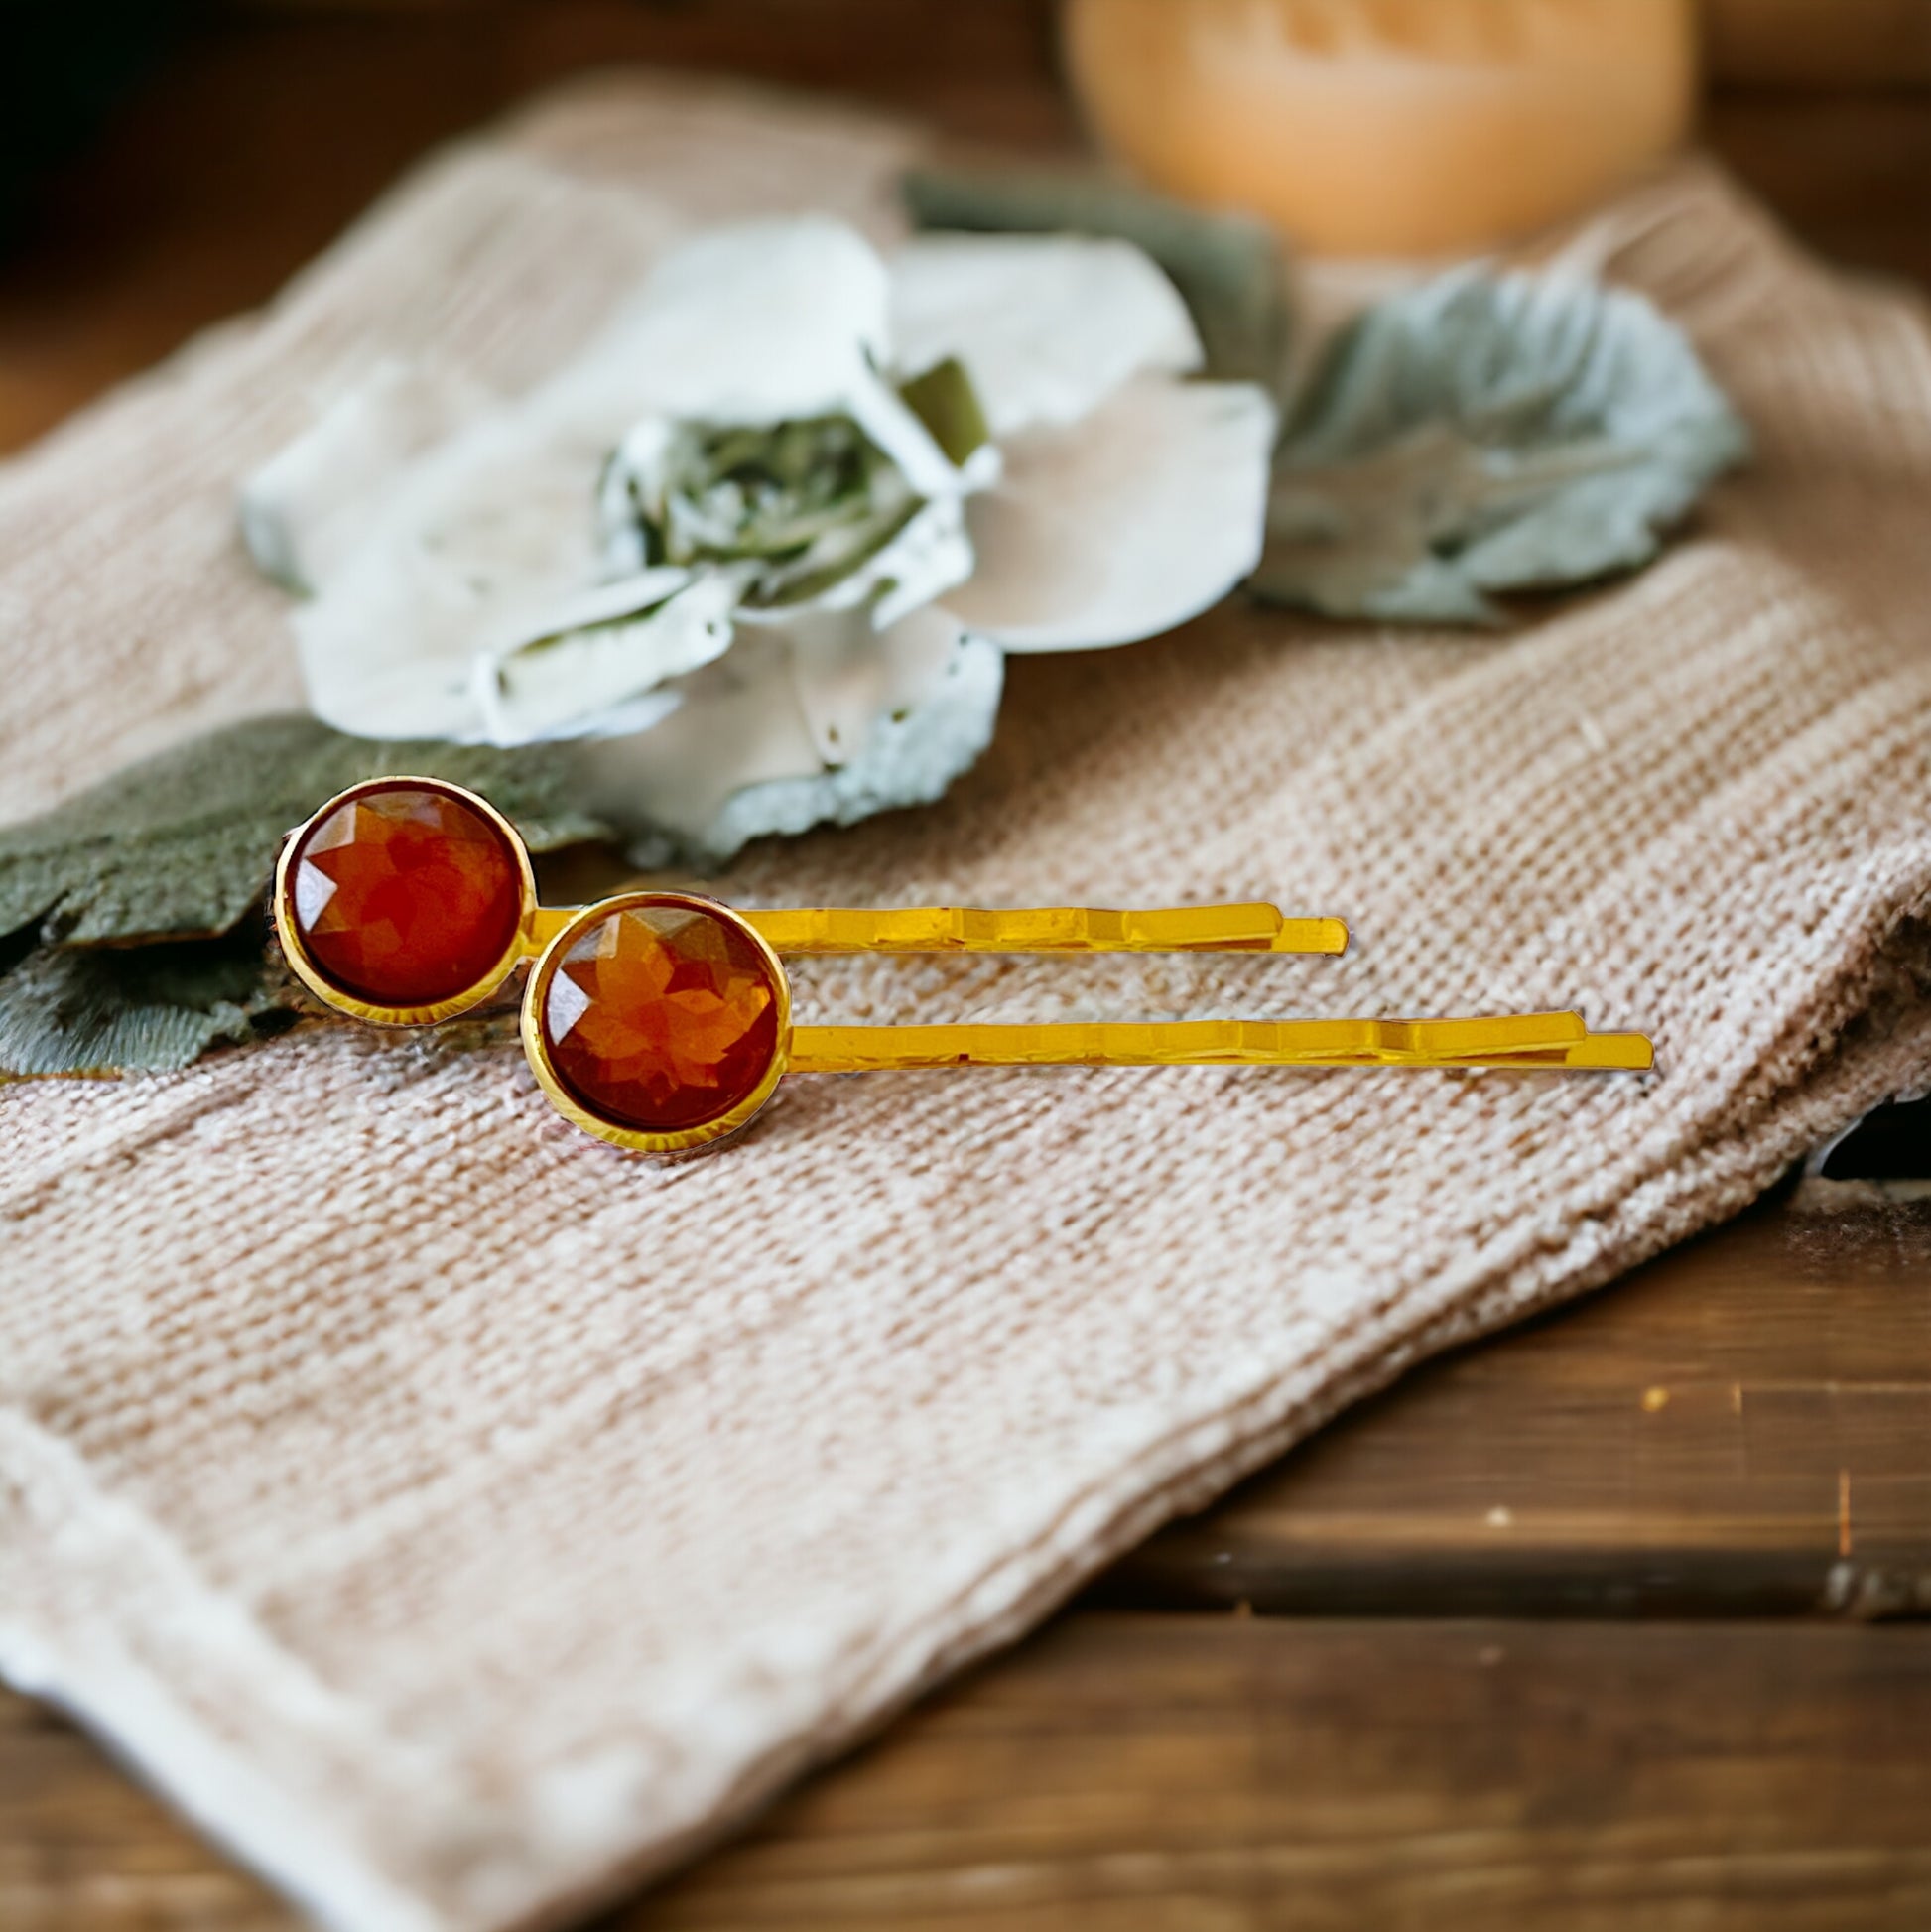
x=164 y=163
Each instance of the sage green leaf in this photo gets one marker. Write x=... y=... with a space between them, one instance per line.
x=185 y=842
x=794 y=508
x=138 y=1010
x=944 y=401
x=1229 y=269
x=1486 y=433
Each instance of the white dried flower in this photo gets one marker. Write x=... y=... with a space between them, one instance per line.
x=762 y=545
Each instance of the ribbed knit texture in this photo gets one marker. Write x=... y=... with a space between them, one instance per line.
x=461 y=1518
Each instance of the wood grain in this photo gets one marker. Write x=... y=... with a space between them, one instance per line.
x=1129 y=1774
x=1790 y=43
x=83 y=1849
x=261 y=140
x=1124 y=1773
x=1744 y=1427
x=1811 y=44
x=264 y=138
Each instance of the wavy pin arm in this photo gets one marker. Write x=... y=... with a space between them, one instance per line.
x=1047 y=929
x=826 y=930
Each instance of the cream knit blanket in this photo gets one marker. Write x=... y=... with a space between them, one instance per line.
x=460 y=1519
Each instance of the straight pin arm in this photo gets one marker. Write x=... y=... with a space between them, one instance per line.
x=1526 y=1041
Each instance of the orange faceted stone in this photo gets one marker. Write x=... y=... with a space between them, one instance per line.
x=406 y=896
x=662 y=1017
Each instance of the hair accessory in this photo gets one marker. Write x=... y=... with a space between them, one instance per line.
x=661 y=1021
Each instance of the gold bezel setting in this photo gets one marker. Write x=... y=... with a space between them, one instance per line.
x=295 y=949
x=536 y=1041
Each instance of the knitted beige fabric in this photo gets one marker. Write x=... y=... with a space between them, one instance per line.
x=462 y=1520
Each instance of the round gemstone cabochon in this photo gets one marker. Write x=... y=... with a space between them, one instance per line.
x=406 y=896
x=662 y=1017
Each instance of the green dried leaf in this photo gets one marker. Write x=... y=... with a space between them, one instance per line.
x=1487 y=433
x=944 y=401
x=721 y=493
x=1229 y=269
x=185 y=842
x=107 y=1010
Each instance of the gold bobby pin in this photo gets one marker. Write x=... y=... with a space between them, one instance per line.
x=661 y=1021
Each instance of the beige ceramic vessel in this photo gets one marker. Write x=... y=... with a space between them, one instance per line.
x=1387 y=126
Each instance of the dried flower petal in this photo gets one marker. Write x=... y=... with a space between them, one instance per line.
x=1147 y=516
x=1048 y=327
x=827 y=722
x=1230 y=268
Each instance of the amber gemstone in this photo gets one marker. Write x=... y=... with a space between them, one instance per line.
x=406 y=896
x=662 y=1017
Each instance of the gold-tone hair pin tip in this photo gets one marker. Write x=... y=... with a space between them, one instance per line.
x=661 y=1021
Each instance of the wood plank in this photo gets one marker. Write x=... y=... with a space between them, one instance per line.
x=1812 y=43
x=261 y=140
x=1784 y=43
x=1138 y=1773
x=1745 y=1426
x=1121 y=1775
x=1849 y=173
x=84 y=1849
x=207 y=194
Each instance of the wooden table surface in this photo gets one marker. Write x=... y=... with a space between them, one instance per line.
x=1605 y=1623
